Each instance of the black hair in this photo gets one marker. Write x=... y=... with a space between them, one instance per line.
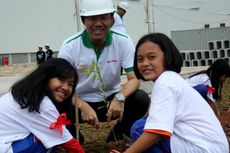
x=172 y=58
x=30 y=91
x=219 y=68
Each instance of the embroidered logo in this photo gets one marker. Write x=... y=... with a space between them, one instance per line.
x=112 y=61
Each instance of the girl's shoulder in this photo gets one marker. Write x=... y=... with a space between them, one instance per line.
x=46 y=104
x=170 y=74
x=7 y=97
x=169 y=78
x=202 y=78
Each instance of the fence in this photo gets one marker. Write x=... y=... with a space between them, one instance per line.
x=216 y=50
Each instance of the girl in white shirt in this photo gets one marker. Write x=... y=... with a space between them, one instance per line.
x=35 y=113
x=209 y=82
x=179 y=119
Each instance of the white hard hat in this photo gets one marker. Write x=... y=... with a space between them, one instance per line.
x=47 y=45
x=96 y=7
x=124 y=5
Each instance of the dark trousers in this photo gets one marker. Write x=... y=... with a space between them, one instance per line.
x=162 y=146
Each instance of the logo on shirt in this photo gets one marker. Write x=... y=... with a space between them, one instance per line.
x=81 y=65
x=112 y=61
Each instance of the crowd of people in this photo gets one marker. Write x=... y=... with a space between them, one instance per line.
x=39 y=112
x=42 y=55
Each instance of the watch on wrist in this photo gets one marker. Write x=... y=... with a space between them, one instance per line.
x=120 y=97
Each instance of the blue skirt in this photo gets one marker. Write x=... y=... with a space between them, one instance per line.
x=202 y=89
x=162 y=146
x=30 y=144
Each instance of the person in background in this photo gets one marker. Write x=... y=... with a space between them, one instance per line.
x=179 y=119
x=35 y=112
x=118 y=24
x=98 y=54
x=40 y=55
x=209 y=82
x=49 y=52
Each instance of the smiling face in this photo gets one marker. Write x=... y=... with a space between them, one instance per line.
x=98 y=27
x=150 y=60
x=61 y=88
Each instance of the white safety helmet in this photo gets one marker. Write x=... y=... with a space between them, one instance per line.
x=124 y=5
x=47 y=45
x=96 y=7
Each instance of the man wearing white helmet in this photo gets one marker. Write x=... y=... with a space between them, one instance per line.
x=49 y=52
x=98 y=54
x=40 y=55
x=118 y=25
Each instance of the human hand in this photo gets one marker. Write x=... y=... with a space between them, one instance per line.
x=115 y=110
x=88 y=115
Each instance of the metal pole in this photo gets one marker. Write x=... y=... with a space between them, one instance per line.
x=76 y=116
x=77 y=14
x=150 y=16
x=78 y=20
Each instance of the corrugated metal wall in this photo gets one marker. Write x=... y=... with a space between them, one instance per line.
x=198 y=39
x=201 y=47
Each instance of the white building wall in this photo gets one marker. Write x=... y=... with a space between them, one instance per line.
x=27 y=23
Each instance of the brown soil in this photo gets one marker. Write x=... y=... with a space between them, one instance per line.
x=225 y=122
x=118 y=145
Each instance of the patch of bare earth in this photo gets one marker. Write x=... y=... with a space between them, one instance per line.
x=16 y=69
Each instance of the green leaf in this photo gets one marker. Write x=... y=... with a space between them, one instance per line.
x=94 y=77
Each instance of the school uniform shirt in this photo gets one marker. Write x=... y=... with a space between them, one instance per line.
x=178 y=112
x=201 y=79
x=17 y=123
x=118 y=24
x=118 y=51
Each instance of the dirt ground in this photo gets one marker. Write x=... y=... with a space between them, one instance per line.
x=224 y=107
x=16 y=69
x=95 y=139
